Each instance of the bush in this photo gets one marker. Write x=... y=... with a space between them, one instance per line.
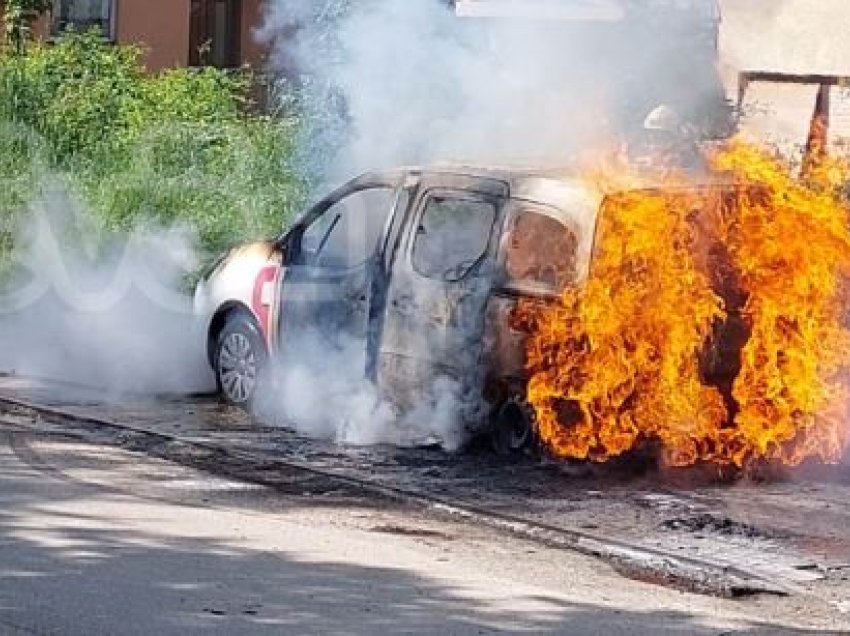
x=176 y=146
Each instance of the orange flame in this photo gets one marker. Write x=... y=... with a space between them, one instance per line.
x=712 y=323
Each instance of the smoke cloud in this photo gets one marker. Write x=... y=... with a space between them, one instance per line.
x=105 y=310
x=393 y=83
x=319 y=389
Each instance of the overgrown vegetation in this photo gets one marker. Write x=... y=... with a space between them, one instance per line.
x=178 y=146
x=18 y=16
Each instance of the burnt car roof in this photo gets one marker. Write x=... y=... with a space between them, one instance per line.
x=569 y=197
x=559 y=185
x=518 y=176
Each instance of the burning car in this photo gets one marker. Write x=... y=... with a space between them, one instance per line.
x=421 y=268
x=680 y=334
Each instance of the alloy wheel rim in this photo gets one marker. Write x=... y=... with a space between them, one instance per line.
x=237 y=368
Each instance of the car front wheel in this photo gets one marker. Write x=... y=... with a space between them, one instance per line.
x=240 y=358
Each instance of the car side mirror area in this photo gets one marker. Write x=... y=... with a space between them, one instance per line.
x=289 y=246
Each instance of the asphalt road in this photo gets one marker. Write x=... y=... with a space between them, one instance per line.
x=97 y=540
x=788 y=530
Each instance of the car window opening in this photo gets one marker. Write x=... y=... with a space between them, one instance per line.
x=452 y=237
x=541 y=251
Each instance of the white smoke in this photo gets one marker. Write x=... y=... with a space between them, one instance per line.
x=409 y=82
x=320 y=390
x=100 y=309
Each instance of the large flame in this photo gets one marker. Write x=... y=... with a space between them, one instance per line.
x=712 y=323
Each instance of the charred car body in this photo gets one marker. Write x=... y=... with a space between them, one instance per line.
x=423 y=270
x=420 y=268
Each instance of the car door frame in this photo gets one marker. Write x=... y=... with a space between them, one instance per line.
x=399 y=323
x=291 y=247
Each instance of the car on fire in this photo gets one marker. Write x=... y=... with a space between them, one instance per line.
x=419 y=267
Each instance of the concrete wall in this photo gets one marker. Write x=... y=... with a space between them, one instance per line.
x=792 y=36
x=800 y=37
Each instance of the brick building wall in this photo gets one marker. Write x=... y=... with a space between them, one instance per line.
x=164 y=30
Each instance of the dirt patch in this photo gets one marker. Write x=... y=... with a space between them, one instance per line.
x=724 y=526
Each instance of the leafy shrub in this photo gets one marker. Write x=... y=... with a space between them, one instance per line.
x=18 y=16
x=178 y=146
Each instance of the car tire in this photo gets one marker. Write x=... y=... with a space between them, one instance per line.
x=240 y=360
x=512 y=430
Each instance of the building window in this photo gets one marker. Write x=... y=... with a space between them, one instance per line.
x=83 y=15
x=215 y=33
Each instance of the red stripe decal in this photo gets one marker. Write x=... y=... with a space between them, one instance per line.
x=261 y=310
